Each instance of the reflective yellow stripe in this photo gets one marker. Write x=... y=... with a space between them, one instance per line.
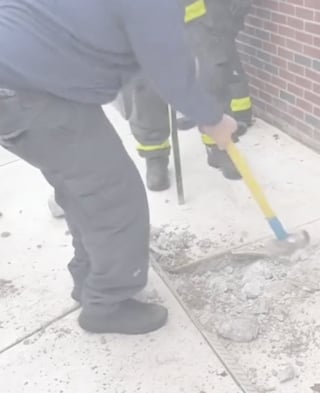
x=207 y=140
x=163 y=146
x=195 y=11
x=241 y=104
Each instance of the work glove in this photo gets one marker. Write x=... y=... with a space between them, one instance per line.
x=222 y=132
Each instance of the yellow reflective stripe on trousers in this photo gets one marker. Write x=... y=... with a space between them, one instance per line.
x=162 y=146
x=207 y=140
x=195 y=11
x=241 y=104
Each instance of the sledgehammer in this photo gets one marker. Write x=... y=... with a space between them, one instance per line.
x=285 y=243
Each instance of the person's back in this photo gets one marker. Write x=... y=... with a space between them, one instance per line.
x=64 y=47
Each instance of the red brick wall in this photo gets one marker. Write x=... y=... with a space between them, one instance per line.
x=281 y=51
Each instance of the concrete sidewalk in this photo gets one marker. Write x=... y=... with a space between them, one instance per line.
x=34 y=284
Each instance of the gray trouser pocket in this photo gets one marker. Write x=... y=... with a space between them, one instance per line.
x=14 y=117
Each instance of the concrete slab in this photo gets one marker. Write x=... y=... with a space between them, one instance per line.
x=34 y=284
x=64 y=359
x=224 y=211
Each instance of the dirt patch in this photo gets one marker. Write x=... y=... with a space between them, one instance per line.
x=265 y=311
x=7 y=288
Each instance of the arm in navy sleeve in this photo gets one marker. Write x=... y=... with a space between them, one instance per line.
x=156 y=33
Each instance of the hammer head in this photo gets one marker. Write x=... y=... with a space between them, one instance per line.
x=290 y=245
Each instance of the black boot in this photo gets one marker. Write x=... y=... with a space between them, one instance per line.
x=241 y=130
x=127 y=317
x=157 y=173
x=220 y=160
x=185 y=124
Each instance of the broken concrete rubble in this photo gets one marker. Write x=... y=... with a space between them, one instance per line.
x=237 y=329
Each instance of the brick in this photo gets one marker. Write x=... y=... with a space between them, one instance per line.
x=280 y=62
x=296 y=68
x=311 y=51
x=271 y=89
x=280 y=104
x=255 y=42
x=248 y=49
x=253 y=91
x=259 y=104
x=258 y=83
x=268 y=47
x=316 y=111
x=304 y=13
x=287 y=97
x=265 y=96
x=286 y=75
x=316 y=65
x=304 y=37
x=286 y=8
x=279 y=18
x=263 y=35
x=313 y=75
x=296 y=90
x=316 y=41
x=265 y=76
x=311 y=97
x=297 y=2
x=305 y=128
x=285 y=53
x=302 y=60
x=270 y=4
x=316 y=88
x=270 y=26
x=277 y=39
x=294 y=45
x=256 y=62
x=296 y=23
x=314 y=4
x=271 y=69
x=264 y=56
x=305 y=105
x=287 y=31
x=296 y=112
x=278 y=82
x=303 y=82
x=313 y=28
x=312 y=120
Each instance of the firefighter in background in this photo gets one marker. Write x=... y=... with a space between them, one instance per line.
x=212 y=27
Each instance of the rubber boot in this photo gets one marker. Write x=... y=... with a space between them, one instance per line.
x=127 y=317
x=220 y=160
x=157 y=176
x=241 y=130
x=55 y=210
x=185 y=124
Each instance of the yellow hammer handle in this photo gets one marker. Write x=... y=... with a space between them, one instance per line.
x=241 y=164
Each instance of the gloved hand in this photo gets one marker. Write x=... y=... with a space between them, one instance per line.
x=222 y=132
